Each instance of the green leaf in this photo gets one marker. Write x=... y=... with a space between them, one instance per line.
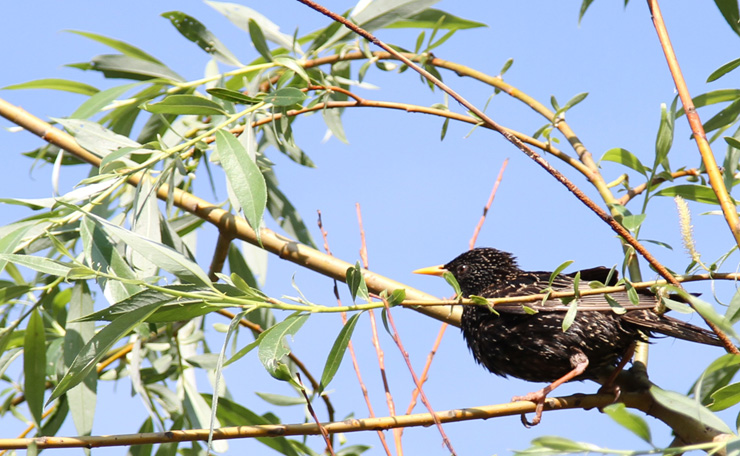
x=258 y=39
x=97 y=347
x=729 y=11
x=626 y=158
x=40 y=264
x=450 y=279
x=34 y=366
x=96 y=138
x=273 y=347
x=633 y=222
x=638 y=426
x=689 y=407
x=558 y=270
x=82 y=398
x=123 y=66
x=195 y=31
x=55 y=84
x=100 y=100
x=631 y=293
x=725 y=397
x=664 y=139
x=584 y=7
x=396 y=297
x=287 y=96
x=570 y=315
x=120 y=46
x=240 y=15
x=163 y=256
x=245 y=178
x=723 y=118
x=281 y=400
x=707 y=311
x=334 y=360
x=356 y=283
x=692 y=192
x=430 y=17
x=723 y=70
x=715 y=96
x=733 y=310
x=333 y=120
x=232 y=95
x=291 y=64
x=185 y=104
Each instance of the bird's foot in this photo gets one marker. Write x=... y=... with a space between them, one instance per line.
x=538 y=398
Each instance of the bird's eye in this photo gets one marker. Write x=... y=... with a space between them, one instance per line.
x=463 y=270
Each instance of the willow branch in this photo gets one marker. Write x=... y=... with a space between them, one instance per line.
x=715 y=176
x=631 y=193
x=272 y=242
x=349 y=425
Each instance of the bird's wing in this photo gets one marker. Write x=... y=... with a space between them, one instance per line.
x=537 y=282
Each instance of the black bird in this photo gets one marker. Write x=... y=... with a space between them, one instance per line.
x=534 y=347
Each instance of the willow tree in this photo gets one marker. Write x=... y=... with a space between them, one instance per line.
x=101 y=283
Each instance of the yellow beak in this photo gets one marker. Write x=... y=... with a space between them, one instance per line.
x=434 y=270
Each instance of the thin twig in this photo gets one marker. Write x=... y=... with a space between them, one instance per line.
x=577 y=192
x=427 y=365
x=487 y=207
x=376 y=340
x=324 y=433
x=220 y=253
x=397 y=339
x=351 y=347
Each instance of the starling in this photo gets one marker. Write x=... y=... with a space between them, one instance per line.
x=534 y=347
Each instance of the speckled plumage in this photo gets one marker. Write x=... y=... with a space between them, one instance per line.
x=534 y=347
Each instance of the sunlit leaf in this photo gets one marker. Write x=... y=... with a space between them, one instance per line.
x=689 y=407
x=334 y=360
x=245 y=178
x=185 y=104
x=195 y=31
x=636 y=424
x=624 y=157
x=34 y=365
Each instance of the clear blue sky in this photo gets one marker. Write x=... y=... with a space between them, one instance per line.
x=421 y=197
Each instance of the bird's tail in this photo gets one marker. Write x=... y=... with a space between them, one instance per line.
x=649 y=321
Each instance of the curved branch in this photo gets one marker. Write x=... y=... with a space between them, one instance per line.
x=272 y=242
x=349 y=425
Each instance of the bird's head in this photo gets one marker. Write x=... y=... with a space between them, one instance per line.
x=477 y=269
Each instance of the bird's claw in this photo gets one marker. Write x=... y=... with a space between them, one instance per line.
x=538 y=398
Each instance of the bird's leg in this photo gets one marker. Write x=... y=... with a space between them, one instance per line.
x=609 y=385
x=579 y=361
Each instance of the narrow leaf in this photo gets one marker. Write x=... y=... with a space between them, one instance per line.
x=634 y=423
x=258 y=39
x=64 y=85
x=245 y=178
x=287 y=96
x=693 y=192
x=723 y=70
x=689 y=407
x=273 y=347
x=624 y=157
x=95 y=349
x=232 y=95
x=34 y=366
x=356 y=283
x=334 y=360
x=120 y=46
x=185 y=104
x=192 y=29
